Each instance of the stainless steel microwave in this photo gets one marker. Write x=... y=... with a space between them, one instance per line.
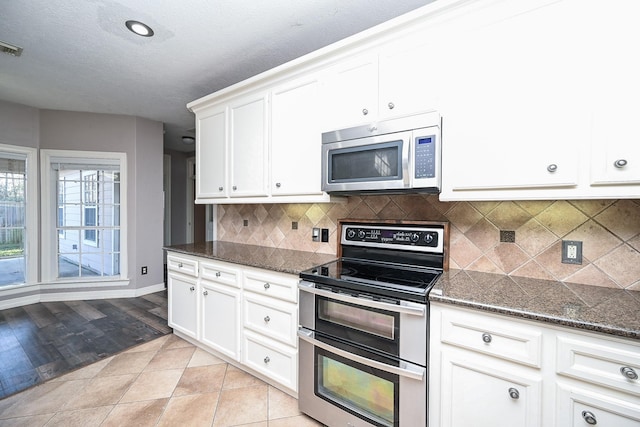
x=392 y=156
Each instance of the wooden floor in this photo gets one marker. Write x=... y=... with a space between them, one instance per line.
x=45 y=340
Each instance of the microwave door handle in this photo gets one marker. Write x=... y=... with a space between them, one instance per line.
x=407 y=370
x=405 y=309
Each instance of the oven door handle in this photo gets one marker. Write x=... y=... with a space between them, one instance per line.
x=415 y=310
x=405 y=369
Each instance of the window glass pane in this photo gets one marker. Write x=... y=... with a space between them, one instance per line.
x=88 y=224
x=12 y=220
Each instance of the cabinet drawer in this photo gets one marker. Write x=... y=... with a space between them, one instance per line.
x=183 y=265
x=272 y=359
x=607 y=363
x=493 y=336
x=575 y=405
x=275 y=319
x=281 y=286
x=219 y=273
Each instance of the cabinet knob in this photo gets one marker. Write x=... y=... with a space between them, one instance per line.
x=620 y=163
x=391 y=105
x=278 y=185
x=220 y=188
x=486 y=338
x=179 y=265
x=217 y=274
x=205 y=293
x=234 y=188
x=266 y=359
x=514 y=393
x=193 y=288
x=267 y=319
x=628 y=372
x=589 y=418
x=365 y=111
x=552 y=167
x=267 y=285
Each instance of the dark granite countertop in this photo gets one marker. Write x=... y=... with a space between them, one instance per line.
x=282 y=260
x=592 y=308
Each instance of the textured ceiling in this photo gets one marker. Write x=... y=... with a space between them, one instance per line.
x=79 y=56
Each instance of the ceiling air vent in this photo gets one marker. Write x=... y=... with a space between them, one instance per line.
x=10 y=49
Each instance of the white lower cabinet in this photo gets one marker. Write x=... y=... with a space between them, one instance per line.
x=492 y=370
x=244 y=315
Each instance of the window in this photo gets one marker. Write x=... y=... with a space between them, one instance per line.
x=87 y=240
x=18 y=215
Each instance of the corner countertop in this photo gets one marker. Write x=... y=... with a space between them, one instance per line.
x=592 y=308
x=282 y=260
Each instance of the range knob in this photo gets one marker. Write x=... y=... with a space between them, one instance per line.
x=428 y=238
x=351 y=233
x=361 y=234
x=415 y=237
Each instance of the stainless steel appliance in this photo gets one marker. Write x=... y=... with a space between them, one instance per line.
x=364 y=325
x=398 y=155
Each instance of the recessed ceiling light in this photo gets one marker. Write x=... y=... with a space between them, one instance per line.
x=139 y=28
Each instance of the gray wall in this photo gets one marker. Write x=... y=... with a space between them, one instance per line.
x=179 y=196
x=140 y=139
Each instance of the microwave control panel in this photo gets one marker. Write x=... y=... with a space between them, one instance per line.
x=425 y=156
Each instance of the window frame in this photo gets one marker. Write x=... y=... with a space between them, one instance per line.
x=32 y=203
x=49 y=194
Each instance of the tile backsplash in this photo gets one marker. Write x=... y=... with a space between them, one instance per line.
x=609 y=230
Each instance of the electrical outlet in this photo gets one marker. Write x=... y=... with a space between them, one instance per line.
x=572 y=252
x=325 y=235
x=315 y=234
x=245 y=222
x=294 y=225
x=144 y=270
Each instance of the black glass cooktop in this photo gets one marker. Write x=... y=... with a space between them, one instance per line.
x=377 y=279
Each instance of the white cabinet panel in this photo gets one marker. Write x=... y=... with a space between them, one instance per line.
x=221 y=318
x=272 y=359
x=578 y=407
x=182 y=303
x=272 y=318
x=211 y=153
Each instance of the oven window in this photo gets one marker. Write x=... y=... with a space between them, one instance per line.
x=366 y=392
x=361 y=319
x=375 y=162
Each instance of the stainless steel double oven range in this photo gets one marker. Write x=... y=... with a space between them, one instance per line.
x=364 y=325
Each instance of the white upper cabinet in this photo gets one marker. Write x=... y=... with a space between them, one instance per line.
x=350 y=93
x=211 y=152
x=295 y=138
x=615 y=157
x=249 y=146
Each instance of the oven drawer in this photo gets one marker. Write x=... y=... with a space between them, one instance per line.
x=492 y=336
x=272 y=359
x=270 y=317
x=182 y=265
x=280 y=286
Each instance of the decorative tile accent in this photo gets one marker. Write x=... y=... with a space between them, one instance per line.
x=609 y=229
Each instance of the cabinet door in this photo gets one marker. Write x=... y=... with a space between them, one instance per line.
x=350 y=93
x=248 y=146
x=578 y=407
x=514 y=112
x=211 y=151
x=409 y=81
x=183 y=304
x=483 y=393
x=295 y=139
x=220 y=318
x=615 y=70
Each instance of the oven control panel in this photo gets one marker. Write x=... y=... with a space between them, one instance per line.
x=428 y=239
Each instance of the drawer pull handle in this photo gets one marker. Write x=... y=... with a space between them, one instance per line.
x=266 y=359
x=486 y=338
x=179 y=265
x=267 y=285
x=620 y=163
x=514 y=393
x=193 y=288
x=220 y=188
x=589 y=418
x=217 y=274
x=267 y=319
x=391 y=105
x=552 y=167
x=629 y=373
x=205 y=293
x=365 y=111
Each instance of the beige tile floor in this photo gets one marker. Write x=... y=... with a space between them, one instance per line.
x=165 y=382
